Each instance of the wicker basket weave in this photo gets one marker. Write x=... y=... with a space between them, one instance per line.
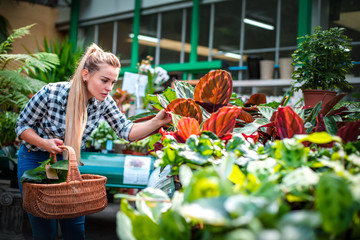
x=79 y=195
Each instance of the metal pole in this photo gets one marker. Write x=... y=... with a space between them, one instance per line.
x=74 y=22
x=194 y=38
x=136 y=31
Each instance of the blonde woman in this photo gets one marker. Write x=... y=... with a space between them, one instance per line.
x=67 y=113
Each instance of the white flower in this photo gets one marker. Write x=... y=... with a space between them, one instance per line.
x=162 y=75
x=144 y=68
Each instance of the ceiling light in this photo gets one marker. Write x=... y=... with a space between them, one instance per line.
x=145 y=38
x=258 y=24
x=232 y=55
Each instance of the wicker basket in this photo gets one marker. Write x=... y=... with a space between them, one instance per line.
x=79 y=195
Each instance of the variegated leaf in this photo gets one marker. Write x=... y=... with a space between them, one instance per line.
x=183 y=89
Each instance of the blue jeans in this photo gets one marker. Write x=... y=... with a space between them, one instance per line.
x=46 y=229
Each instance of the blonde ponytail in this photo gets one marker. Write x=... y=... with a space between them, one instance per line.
x=76 y=111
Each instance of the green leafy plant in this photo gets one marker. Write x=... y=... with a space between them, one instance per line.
x=68 y=59
x=15 y=69
x=7 y=128
x=283 y=188
x=101 y=134
x=38 y=174
x=322 y=59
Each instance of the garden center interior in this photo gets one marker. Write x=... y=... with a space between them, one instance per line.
x=189 y=38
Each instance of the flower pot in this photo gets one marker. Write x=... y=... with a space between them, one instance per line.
x=312 y=97
x=267 y=69
x=285 y=67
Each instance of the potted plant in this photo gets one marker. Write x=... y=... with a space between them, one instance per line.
x=322 y=60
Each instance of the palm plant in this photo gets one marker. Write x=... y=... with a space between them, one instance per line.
x=16 y=84
x=68 y=59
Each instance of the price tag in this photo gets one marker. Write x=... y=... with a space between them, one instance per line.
x=136 y=170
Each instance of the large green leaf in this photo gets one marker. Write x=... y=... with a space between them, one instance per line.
x=174 y=226
x=152 y=208
x=334 y=202
x=330 y=124
x=207 y=210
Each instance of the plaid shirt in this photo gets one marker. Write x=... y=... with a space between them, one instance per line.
x=46 y=114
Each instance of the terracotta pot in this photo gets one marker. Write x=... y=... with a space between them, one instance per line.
x=312 y=97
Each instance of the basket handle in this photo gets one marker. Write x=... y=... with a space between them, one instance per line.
x=73 y=173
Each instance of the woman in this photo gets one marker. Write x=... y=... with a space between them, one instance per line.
x=67 y=113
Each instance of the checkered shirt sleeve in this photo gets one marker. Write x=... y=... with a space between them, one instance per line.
x=117 y=120
x=33 y=112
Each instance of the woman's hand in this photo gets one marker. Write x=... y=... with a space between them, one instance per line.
x=162 y=118
x=51 y=145
x=143 y=129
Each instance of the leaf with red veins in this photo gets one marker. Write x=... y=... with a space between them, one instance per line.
x=214 y=90
x=186 y=108
x=186 y=127
x=223 y=121
x=288 y=123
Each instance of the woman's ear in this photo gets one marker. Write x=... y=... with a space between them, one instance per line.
x=84 y=75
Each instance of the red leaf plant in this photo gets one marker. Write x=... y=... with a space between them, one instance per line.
x=255 y=99
x=187 y=126
x=220 y=123
x=214 y=90
x=185 y=108
x=223 y=121
x=350 y=131
x=288 y=123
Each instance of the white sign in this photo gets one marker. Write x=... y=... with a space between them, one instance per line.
x=136 y=170
x=135 y=83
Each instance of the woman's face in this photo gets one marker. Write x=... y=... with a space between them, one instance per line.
x=100 y=83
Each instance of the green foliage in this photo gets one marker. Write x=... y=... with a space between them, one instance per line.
x=7 y=128
x=68 y=60
x=15 y=69
x=38 y=174
x=255 y=190
x=323 y=58
x=334 y=202
x=101 y=134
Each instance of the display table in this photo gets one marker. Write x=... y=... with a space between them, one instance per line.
x=123 y=171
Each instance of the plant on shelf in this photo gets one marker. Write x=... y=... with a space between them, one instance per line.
x=101 y=135
x=322 y=60
x=123 y=99
x=15 y=69
x=156 y=77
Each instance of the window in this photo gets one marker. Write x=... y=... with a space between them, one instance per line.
x=148 y=39
x=123 y=46
x=346 y=14
x=105 y=39
x=170 y=44
x=226 y=39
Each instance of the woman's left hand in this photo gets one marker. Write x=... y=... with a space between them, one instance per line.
x=162 y=118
